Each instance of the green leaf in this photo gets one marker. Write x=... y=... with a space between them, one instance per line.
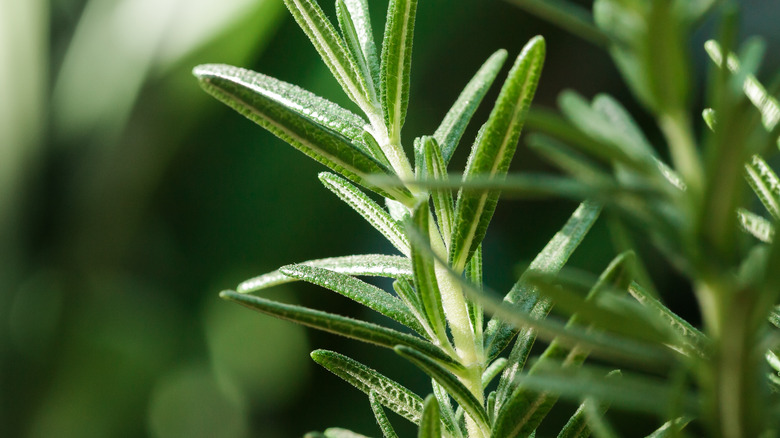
x=355 y=23
x=600 y=426
x=445 y=409
x=336 y=432
x=396 y=64
x=766 y=104
x=379 y=414
x=522 y=410
x=550 y=260
x=692 y=339
x=282 y=109
x=671 y=428
x=331 y=48
x=460 y=393
x=756 y=225
x=365 y=265
x=425 y=276
x=449 y=133
x=430 y=426
x=765 y=183
x=366 y=294
x=337 y=324
x=370 y=210
x=388 y=392
x=476 y=313
x=571 y=162
x=631 y=392
x=493 y=151
x=442 y=199
x=577 y=426
x=492 y=371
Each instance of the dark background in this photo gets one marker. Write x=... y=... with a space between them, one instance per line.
x=129 y=199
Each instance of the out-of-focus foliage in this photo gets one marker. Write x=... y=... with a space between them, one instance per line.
x=122 y=209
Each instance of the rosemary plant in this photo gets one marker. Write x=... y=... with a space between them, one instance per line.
x=720 y=380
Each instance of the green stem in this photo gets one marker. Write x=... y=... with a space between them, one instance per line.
x=676 y=127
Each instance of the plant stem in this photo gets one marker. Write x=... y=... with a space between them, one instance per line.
x=676 y=126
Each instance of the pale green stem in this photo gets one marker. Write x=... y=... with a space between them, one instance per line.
x=464 y=338
x=676 y=127
x=393 y=150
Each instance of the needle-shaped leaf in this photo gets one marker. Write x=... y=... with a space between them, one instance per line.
x=449 y=133
x=631 y=391
x=388 y=392
x=371 y=265
x=693 y=340
x=442 y=199
x=765 y=184
x=493 y=151
x=377 y=216
x=577 y=426
x=522 y=410
x=671 y=428
x=425 y=276
x=756 y=225
x=355 y=23
x=457 y=390
x=445 y=409
x=493 y=370
x=430 y=426
x=550 y=260
x=337 y=324
x=379 y=414
x=366 y=294
x=766 y=104
x=337 y=432
x=331 y=48
x=396 y=64
x=281 y=109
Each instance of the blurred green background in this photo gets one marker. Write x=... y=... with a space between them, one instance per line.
x=129 y=199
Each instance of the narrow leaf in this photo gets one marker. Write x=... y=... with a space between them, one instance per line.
x=577 y=426
x=379 y=414
x=460 y=393
x=436 y=169
x=396 y=64
x=373 y=265
x=766 y=104
x=430 y=426
x=355 y=23
x=449 y=133
x=331 y=48
x=765 y=183
x=567 y=15
x=493 y=370
x=425 y=277
x=337 y=324
x=337 y=432
x=268 y=103
x=388 y=392
x=550 y=260
x=671 y=428
x=756 y=225
x=693 y=340
x=493 y=152
x=366 y=294
x=370 y=210
x=445 y=409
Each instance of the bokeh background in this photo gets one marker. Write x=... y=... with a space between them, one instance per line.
x=129 y=199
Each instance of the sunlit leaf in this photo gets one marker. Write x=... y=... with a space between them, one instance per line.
x=388 y=392
x=396 y=64
x=370 y=210
x=267 y=102
x=355 y=23
x=374 y=265
x=493 y=151
x=436 y=169
x=337 y=324
x=445 y=409
x=331 y=48
x=756 y=225
x=451 y=130
x=454 y=387
x=671 y=428
x=765 y=183
x=358 y=290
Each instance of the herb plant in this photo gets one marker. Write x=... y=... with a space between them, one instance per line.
x=720 y=380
